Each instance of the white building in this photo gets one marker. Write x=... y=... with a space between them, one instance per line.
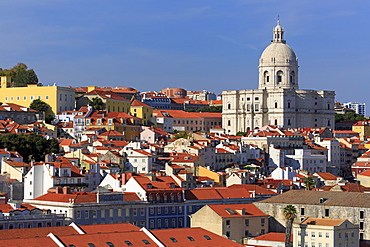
x=334 y=165
x=359 y=108
x=44 y=176
x=303 y=159
x=278 y=99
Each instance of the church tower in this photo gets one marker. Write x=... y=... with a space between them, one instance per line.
x=278 y=65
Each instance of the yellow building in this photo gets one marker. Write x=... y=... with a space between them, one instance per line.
x=59 y=98
x=364 y=178
x=118 y=121
x=141 y=110
x=326 y=233
x=363 y=128
x=111 y=101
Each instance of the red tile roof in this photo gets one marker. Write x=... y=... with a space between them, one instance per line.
x=236 y=210
x=273 y=236
x=197 y=234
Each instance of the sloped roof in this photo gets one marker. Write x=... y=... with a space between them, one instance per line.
x=197 y=235
x=235 y=210
x=273 y=236
x=322 y=222
x=334 y=198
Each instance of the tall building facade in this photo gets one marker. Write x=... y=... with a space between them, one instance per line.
x=359 y=108
x=278 y=100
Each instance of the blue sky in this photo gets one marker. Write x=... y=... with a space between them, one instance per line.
x=192 y=44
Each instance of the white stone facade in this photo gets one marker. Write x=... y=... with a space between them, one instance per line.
x=278 y=99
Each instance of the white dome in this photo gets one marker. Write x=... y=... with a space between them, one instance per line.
x=278 y=53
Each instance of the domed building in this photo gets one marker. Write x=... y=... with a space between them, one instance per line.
x=278 y=100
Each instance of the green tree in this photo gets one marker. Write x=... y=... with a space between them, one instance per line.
x=349 y=116
x=241 y=133
x=39 y=105
x=21 y=75
x=210 y=109
x=32 y=146
x=309 y=183
x=290 y=212
x=182 y=134
x=42 y=106
x=96 y=103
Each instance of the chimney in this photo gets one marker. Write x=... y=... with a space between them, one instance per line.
x=58 y=190
x=66 y=190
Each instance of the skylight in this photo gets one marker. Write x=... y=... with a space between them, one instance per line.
x=174 y=240
x=145 y=241
x=207 y=237
x=230 y=211
x=191 y=239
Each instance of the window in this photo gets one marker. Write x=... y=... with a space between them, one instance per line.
x=320 y=234
x=190 y=238
x=174 y=240
x=229 y=106
x=247 y=222
x=110 y=244
x=361 y=225
x=128 y=243
x=326 y=212
x=159 y=210
x=180 y=209
x=165 y=210
x=227 y=223
x=256 y=107
x=86 y=214
x=262 y=222
x=159 y=224
x=151 y=224
x=94 y=214
x=145 y=241
x=279 y=77
x=313 y=234
x=135 y=211
x=302 y=211
x=142 y=211
x=276 y=105
x=327 y=235
x=78 y=214
x=361 y=214
x=47 y=97
x=228 y=234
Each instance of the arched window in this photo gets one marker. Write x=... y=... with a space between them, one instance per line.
x=288 y=104
x=292 y=77
x=279 y=76
x=266 y=76
x=276 y=104
x=275 y=121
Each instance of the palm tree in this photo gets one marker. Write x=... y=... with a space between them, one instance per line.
x=309 y=183
x=96 y=103
x=290 y=212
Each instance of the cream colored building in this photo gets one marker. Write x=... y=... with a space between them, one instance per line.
x=319 y=232
x=233 y=221
x=278 y=99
